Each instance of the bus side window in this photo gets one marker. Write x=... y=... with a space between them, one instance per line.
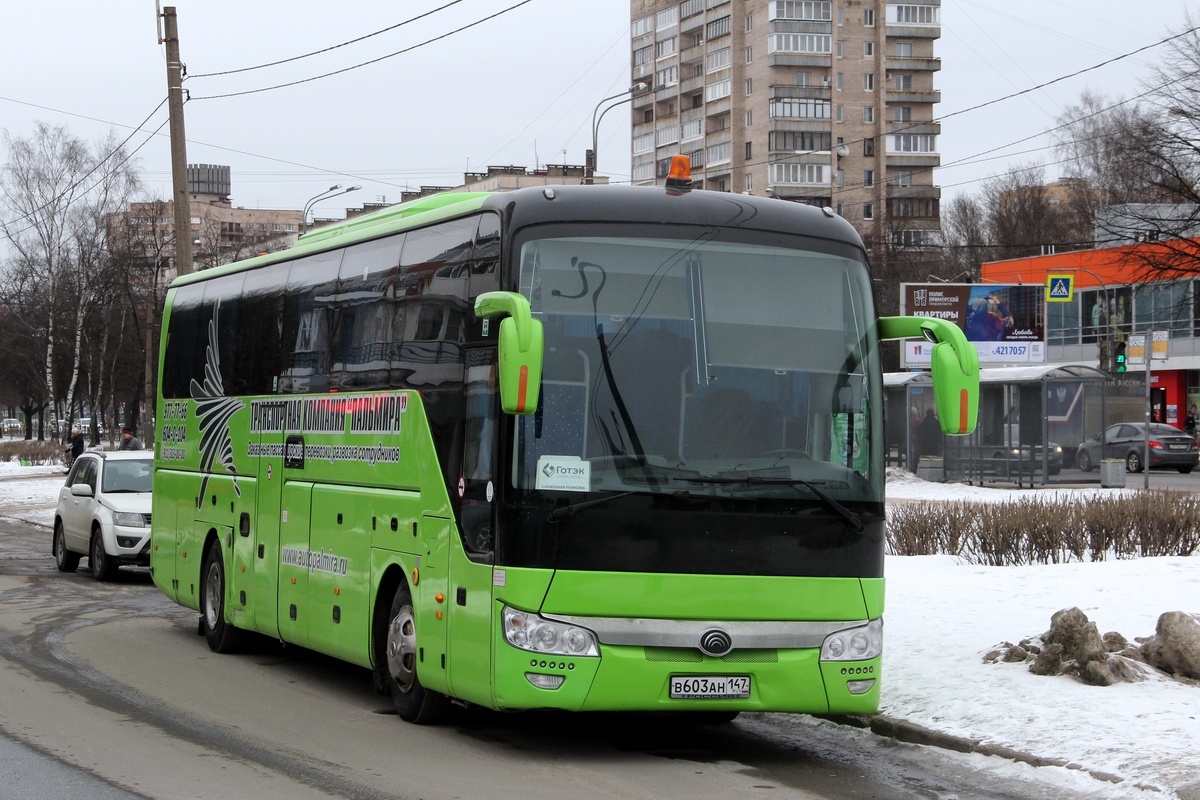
x=478 y=451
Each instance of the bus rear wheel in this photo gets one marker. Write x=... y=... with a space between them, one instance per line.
x=222 y=637
x=414 y=703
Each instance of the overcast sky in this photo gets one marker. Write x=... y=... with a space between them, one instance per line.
x=516 y=89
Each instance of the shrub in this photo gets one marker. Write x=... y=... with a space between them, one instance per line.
x=1049 y=530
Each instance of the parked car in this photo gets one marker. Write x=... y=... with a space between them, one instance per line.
x=12 y=427
x=1170 y=448
x=103 y=512
x=1024 y=459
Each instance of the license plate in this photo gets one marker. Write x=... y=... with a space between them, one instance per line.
x=1178 y=446
x=689 y=687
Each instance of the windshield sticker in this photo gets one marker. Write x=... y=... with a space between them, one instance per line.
x=564 y=474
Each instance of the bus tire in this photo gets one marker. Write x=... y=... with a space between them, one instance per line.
x=222 y=637
x=414 y=703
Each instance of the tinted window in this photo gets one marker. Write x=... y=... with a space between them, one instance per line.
x=310 y=319
x=260 y=331
x=372 y=315
x=185 y=344
x=220 y=312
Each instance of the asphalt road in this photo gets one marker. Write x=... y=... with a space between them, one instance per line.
x=106 y=690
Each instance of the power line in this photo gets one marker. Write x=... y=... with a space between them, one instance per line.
x=365 y=63
x=327 y=49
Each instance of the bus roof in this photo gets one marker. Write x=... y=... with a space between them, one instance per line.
x=550 y=204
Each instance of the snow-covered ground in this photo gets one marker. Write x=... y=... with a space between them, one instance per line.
x=943 y=616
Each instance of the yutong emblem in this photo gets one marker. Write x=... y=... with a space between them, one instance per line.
x=715 y=642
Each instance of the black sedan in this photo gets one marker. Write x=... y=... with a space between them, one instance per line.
x=1170 y=448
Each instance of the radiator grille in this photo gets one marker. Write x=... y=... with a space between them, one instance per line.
x=690 y=655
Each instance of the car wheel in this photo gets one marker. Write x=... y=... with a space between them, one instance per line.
x=222 y=637
x=413 y=702
x=63 y=558
x=1133 y=462
x=103 y=567
x=1084 y=461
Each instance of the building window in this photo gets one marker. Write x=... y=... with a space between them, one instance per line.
x=869 y=82
x=719 y=154
x=902 y=177
x=903 y=114
x=666 y=18
x=841 y=48
x=868 y=211
x=798 y=108
x=690 y=8
x=800 y=174
x=839 y=114
x=749 y=118
x=914 y=143
x=717 y=59
x=903 y=49
x=721 y=186
x=840 y=81
x=717 y=91
x=749 y=55
x=643 y=172
x=668 y=76
x=693 y=129
x=749 y=182
x=697 y=100
x=665 y=48
x=913 y=15
x=717 y=28
x=790 y=141
x=648 y=115
x=819 y=10
x=642 y=26
x=868 y=114
x=662 y=167
x=643 y=143
x=804 y=79
x=840 y=178
x=749 y=87
x=869 y=146
x=668 y=135
x=869 y=17
x=643 y=55
x=799 y=43
x=749 y=150
x=868 y=177
x=749 y=22
x=868 y=49
x=904 y=82
x=839 y=210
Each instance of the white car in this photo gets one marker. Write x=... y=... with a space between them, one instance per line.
x=104 y=512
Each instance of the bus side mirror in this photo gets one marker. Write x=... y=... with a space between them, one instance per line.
x=520 y=345
x=955 y=367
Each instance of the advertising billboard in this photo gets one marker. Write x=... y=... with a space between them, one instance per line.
x=1007 y=324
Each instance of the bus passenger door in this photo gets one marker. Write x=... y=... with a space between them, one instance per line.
x=432 y=603
x=472 y=544
x=262 y=540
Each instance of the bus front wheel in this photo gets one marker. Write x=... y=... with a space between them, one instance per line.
x=222 y=637
x=414 y=703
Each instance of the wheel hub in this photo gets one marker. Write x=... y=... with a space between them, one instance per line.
x=401 y=649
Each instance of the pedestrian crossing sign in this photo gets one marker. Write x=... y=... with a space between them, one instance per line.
x=1060 y=288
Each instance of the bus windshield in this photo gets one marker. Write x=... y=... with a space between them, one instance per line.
x=705 y=364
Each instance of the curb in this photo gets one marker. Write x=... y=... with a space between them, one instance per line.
x=903 y=730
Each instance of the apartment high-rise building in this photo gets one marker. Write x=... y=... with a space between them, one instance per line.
x=826 y=102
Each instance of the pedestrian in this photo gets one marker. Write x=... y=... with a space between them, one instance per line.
x=931 y=434
x=76 y=449
x=914 y=438
x=129 y=441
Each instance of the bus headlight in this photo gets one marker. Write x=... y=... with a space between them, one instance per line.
x=531 y=632
x=854 y=644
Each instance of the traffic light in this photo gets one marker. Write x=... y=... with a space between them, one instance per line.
x=1119 y=357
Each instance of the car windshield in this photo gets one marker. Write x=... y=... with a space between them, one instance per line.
x=128 y=476
x=698 y=365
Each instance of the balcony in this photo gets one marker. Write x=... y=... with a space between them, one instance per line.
x=917 y=160
x=914 y=127
x=800 y=60
x=718 y=107
x=910 y=31
x=691 y=55
x=802 y=92
x=912 y=97
x=913 y=64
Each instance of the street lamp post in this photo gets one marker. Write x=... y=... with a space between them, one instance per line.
x=332 y=191
x=589 y=167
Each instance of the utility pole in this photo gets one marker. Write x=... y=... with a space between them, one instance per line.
x=183 y=215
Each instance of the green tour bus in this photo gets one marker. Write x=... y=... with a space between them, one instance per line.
x=571 y=447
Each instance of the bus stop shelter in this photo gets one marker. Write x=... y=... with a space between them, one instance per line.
x=1031 y=420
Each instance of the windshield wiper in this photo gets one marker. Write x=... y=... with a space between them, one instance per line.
x=568 y=511
x=852 y=520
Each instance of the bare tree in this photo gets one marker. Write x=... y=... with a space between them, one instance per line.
x=55 y=195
